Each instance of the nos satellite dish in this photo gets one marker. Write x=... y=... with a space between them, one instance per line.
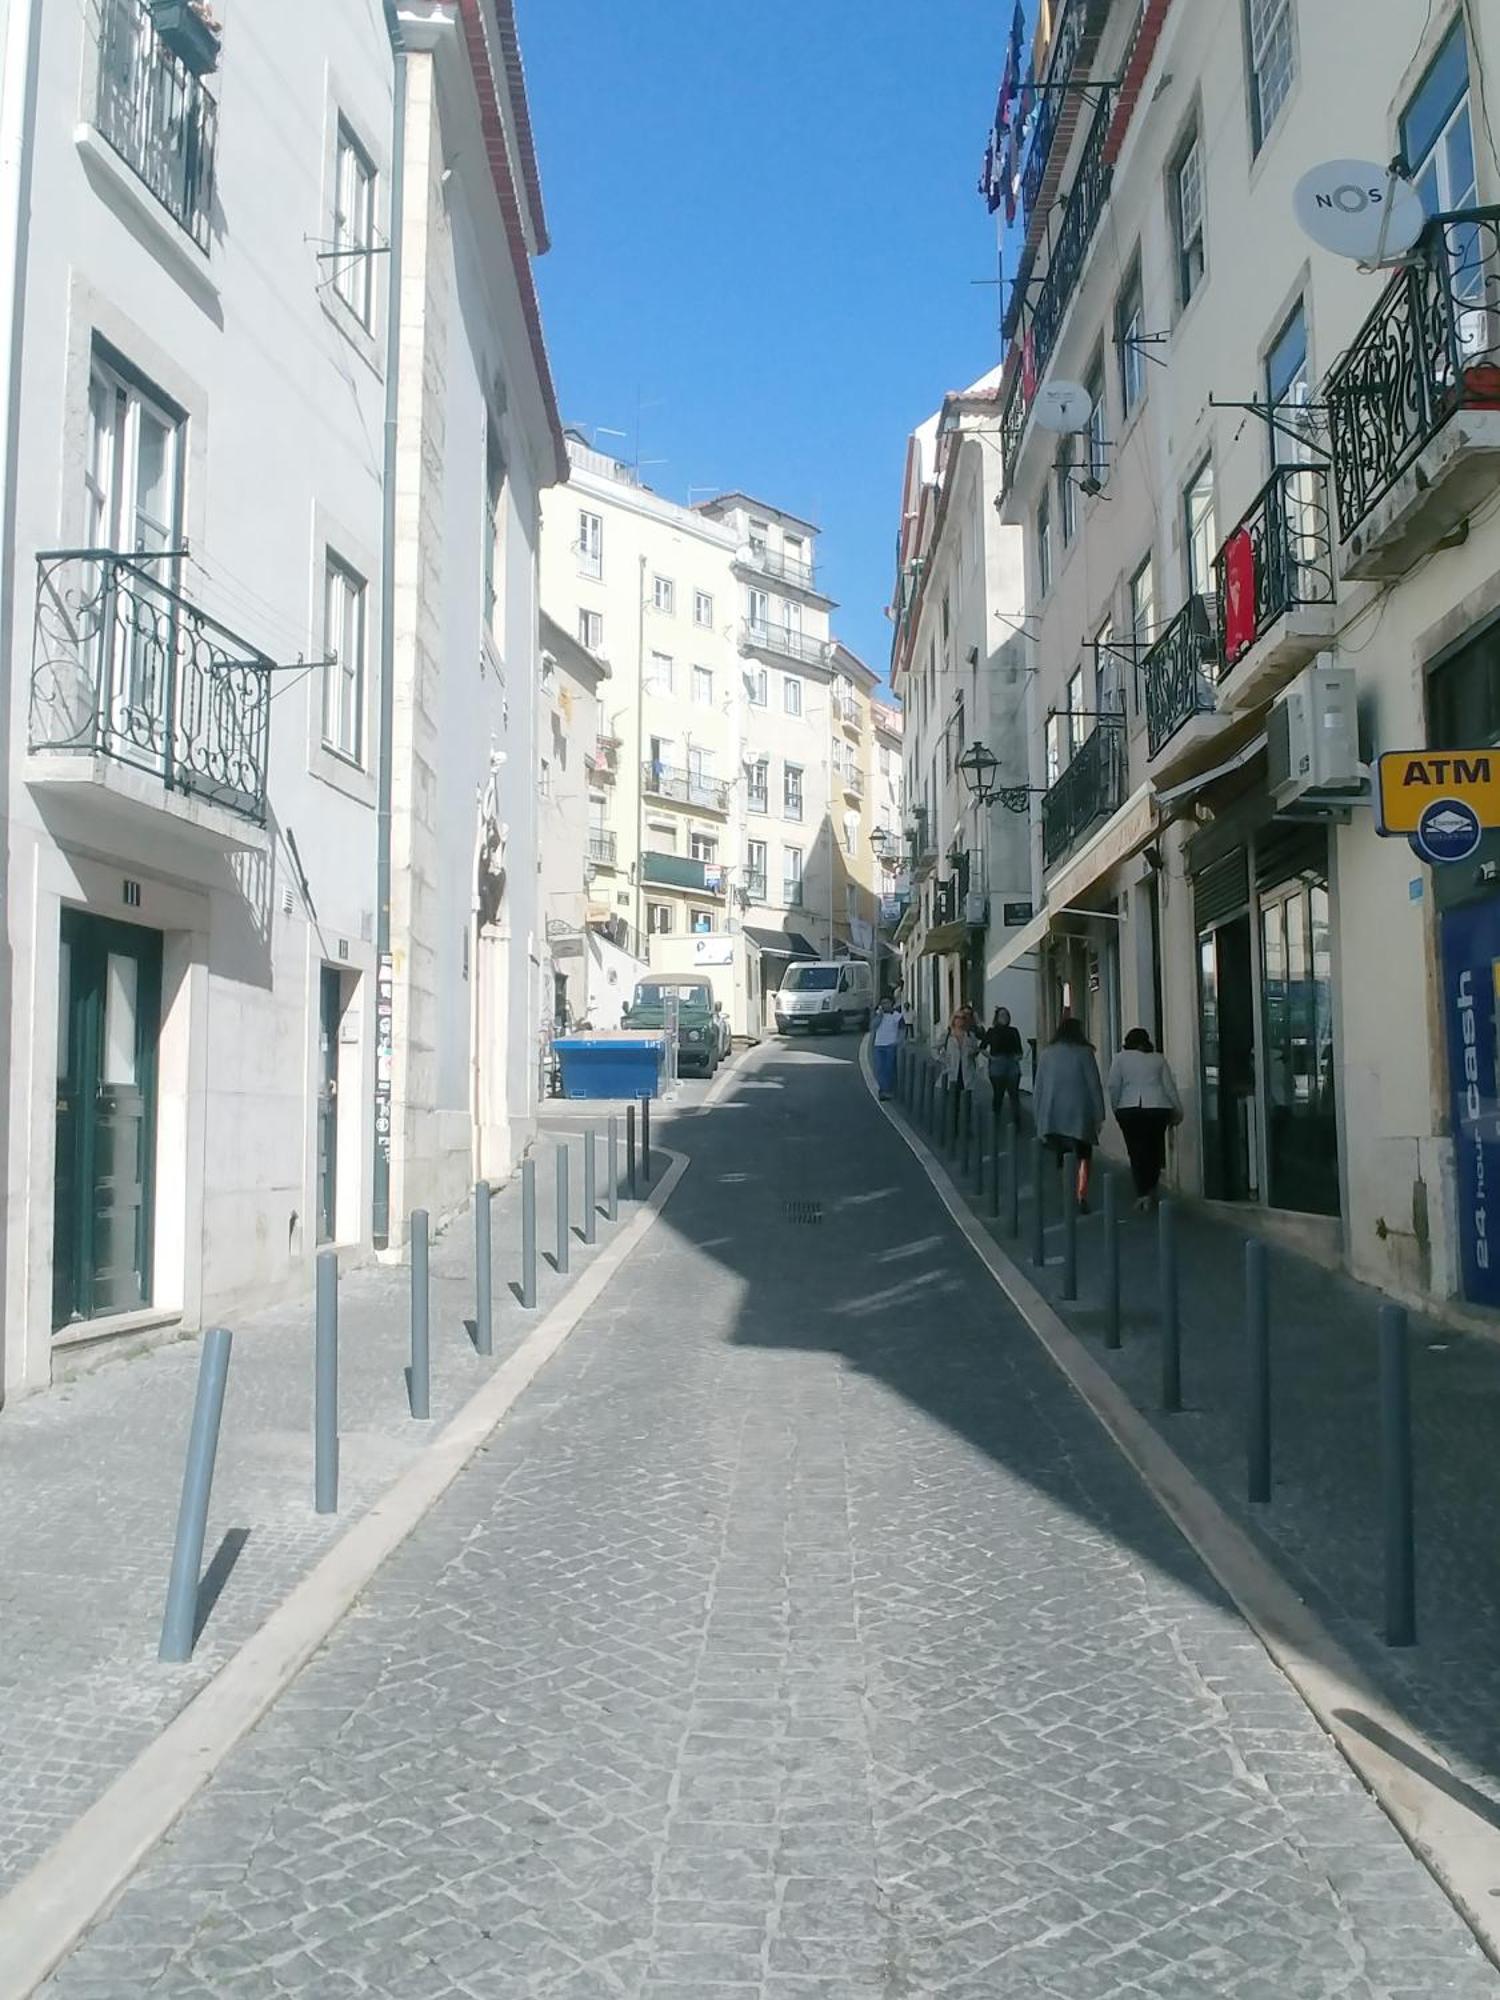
x=1062 y=407
x=1358 y=209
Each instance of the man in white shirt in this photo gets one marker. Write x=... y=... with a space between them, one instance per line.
x=890 y=1026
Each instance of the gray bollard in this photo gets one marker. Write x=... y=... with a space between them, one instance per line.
x=1171 y=1327
x=590 y=1188
x=326 y=1386
x=1111 y=1260
x=1396 y=1479
x=419 y=1391
x=1038 y=1205
x=1258 y=1373
x=564 y=1227
x=645 y=1142
x=630 y=1151
x=484 y=1273
x=997 y=1127
x=528 y=1233
x=964 y=1118
x=613 y=1164
x=1013 y=1182
x=1070 y=1225
x=181 y=1612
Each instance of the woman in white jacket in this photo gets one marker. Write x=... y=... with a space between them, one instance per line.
x=1143 y=1093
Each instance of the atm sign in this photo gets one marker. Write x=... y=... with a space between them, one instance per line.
x=1409 y=781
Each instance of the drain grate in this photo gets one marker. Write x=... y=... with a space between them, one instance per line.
x=803 y=1211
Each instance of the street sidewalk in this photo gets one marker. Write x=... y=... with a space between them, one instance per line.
x=90 y=1476
x=1322 y=1527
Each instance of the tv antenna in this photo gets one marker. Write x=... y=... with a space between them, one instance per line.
x=1357 y=209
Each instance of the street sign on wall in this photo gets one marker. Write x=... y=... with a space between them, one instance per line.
x=1409 y=783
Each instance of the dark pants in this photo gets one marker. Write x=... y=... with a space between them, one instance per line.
x=1005 y=1082
x=1146 y=1142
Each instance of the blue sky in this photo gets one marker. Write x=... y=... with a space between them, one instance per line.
x=765 y=228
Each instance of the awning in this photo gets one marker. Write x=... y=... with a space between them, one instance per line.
x=1122 y=835
x=1190 y=787
x=1019 y=943
x=945 y=937
x=782 y=944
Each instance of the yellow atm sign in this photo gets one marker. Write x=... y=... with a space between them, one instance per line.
x=1409 y=781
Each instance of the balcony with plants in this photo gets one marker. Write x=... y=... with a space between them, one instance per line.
x=152 y=107
x=1414 y=401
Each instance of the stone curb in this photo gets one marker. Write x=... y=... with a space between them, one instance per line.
x=1406 y=1775
x=79 y=1880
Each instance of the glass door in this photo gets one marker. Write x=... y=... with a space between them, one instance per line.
x=1227 y=1058
x=1297 y=975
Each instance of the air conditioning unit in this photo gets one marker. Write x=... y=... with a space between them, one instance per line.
x=1312 y=738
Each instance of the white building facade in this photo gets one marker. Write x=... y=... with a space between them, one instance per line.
x=1242 y=524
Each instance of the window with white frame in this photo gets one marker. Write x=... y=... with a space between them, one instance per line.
x=1142 y=607
x=851 y=832
x=791 y=876
x=1287 y=387
x=659 y=919
x=590 y=544
x=791 y=694
x=1078 y=721
x=664 y=595
x=757 y=687
x=659 y=674
x=755 y=870
x=703 y=608
x=703 y=687
x=344 y=669
x=1067 y=492
x=1187 y=205
x=1056 y=724
x=1096 y=441
x=791 y=791
x=133 y=468
x=758 y=532
x=1130 y=329
x=758 y=609
x=1198 y=529
x=354 y=227
x=1437 y=136
x=1044 y=545
x=1273 y=62
x=1109 y=679
x=703 y=846
x=758 y=785
x=591 y=630
x=494 y=527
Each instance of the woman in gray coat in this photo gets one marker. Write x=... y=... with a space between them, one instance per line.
x=1068 y=1098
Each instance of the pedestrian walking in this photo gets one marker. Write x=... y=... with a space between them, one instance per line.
x=1069 y=1102
x=1143 y=1093
x=890 y=1028
x=1003 y=1050
x=958 y=1052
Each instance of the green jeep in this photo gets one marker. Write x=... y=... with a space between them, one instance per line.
x=697 y=1021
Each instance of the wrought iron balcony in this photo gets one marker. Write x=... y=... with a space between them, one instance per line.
x=854 y=781
x=1429 y=349
x=157 y=115
x=787 y=643
x=791 y=805
x=758 y=799
x=1176 y=673
x=786 y=569
x=126 y=668
x=1092 y=787
x=1278 y=556
x=688 y=788
x=603 y=848
x=846 y=707
x=1085 y=205
x=755 y=886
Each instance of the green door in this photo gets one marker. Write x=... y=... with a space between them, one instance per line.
x=109 y=992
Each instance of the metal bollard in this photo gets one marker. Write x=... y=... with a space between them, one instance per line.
x=645 y=1142
x=1013 y=1153
x=964 y=1115
x=590 y=1188
x=1396 y=1479
x=528 y=1233
x=1171 y=1328
x=1258 y=1372
x=326 y=1386
x=420 y=1390
x=630 y=1151
x=1038 y=1206
x=564 y=1261
x=996 y=1129
x=613 y=1164
x=484 y=1310
x=1111 y=1261
x=180 y=1616
x=1070 y=1225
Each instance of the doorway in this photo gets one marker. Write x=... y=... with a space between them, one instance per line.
x=1226 y=1003
x=109 y=1018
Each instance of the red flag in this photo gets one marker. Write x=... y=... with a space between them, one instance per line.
x=1239 y=596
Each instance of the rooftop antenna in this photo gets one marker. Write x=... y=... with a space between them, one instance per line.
x=1357 y=209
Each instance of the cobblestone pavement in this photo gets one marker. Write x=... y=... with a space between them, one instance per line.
x=800 y=1637
x=90 y=1475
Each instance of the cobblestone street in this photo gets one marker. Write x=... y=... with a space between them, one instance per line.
x=800 y=1637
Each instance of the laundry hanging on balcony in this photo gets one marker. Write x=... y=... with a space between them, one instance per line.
x=1239 y=596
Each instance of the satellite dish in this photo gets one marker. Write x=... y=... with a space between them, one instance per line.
x=1062 y=407
x=1358 y=209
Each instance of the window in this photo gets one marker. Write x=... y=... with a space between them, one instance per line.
x=133 y=472
x=590 y=544
x=791 y=875
x=1437 y=142
x=703 y=687
x=703 y=846
x=758 y=532
x=1044 y=545
x=658 y=919
x=1199 y=539
x=1187 y=218
x=354 y=227
x=344 y=675
x=791 y=694
x=759 y=785
x=703 y=608
x=1098 y=444
x=494 y=525
x=1054 y=740
x=544 y=777
x=755 y=870
x=794 y=554
x=1142 y=607
x=1077 y=720
x=851 y=832
x=591 y=630
x=958 y=733
x=664 y=595
x=757 y=686
x=701 y=779
x=1286 y=384
x=659 y=674
x=1109 y=680
x=946 y=614
x=791 y=791
x=1067 y=491
x=759 y=606
x=1130 y=329
x=1273 y=62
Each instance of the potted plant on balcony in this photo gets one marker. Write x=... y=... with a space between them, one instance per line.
x=190 y=31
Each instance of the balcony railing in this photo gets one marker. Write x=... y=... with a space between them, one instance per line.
x=157 y=115
x=785 y=569
x=682 y=871
x=126 y=668
x=1278 y=555
x=758 y=799
x=846 y=707
x=1085 y=205
x=791 y=805
x=854 y=781
x=688 y=788
x=1430 y=348
x=1092 y=787
x=783 y=640
x=603 y=848
x=755 y=886
x=1050 y=104
x=1176 y=673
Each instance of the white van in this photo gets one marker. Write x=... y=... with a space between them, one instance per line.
x=828 y=993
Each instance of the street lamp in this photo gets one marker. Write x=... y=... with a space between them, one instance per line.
x=979 y=766
x=880 y=843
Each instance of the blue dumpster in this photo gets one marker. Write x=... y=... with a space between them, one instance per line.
x=612 y=1065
